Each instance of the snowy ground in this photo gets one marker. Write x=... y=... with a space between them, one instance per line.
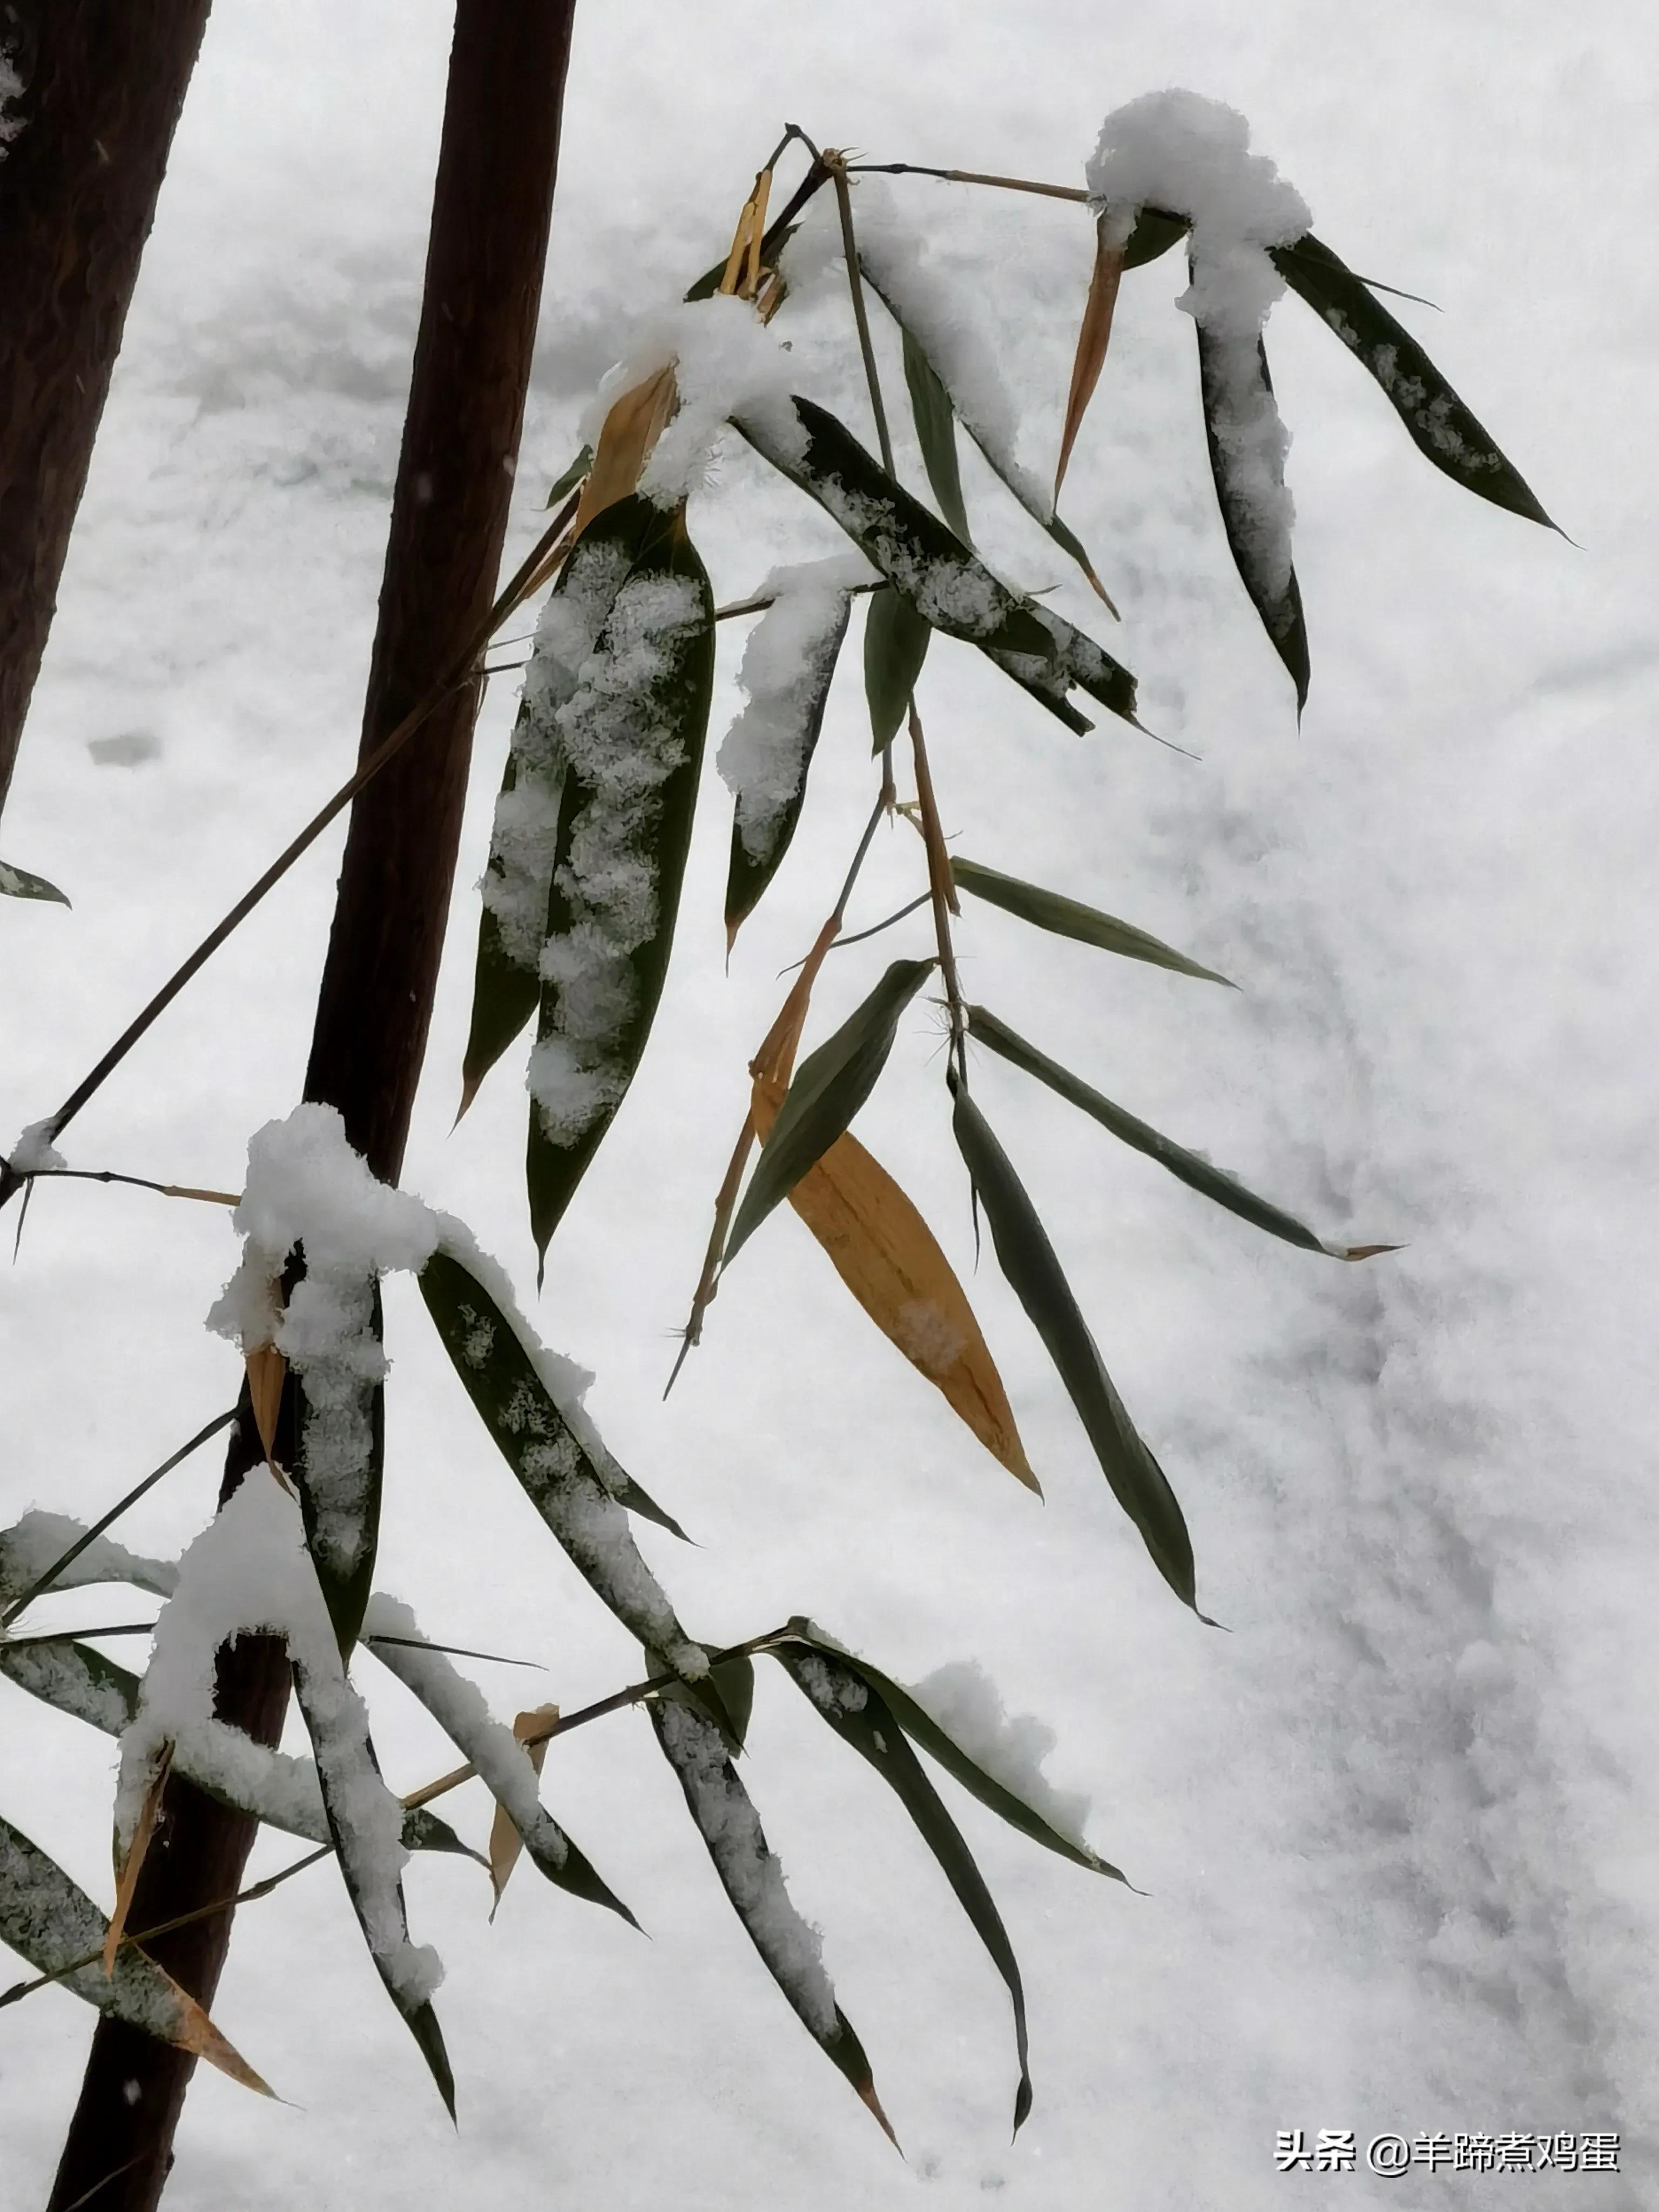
x=1396 y=1824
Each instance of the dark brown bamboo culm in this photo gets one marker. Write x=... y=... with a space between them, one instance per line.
x=103 y=83
x=492 y=207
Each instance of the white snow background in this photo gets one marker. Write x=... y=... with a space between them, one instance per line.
x=1398 y=1825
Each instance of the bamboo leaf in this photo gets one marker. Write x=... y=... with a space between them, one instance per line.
x=632 y=737
x=50 y=1551
x=921 y=1727
x=909 y=544
x=829 y=1086
x=48 y=1920
x=353 y=1795
x=19 y=882
x=749 y=1874
x=890 y=1260
x=552 y=1447
x=74 y=1678
x=1440 y=426
x=1190 y=1168
x=1093 y=339
x=267 y=1369
x=505 y=1843
x=860 y=1715
x=749 y=872
x=1154 y=232
x=571 y=477
x=1027 y=1259
x=936 y=427
x=505 y=991
x=1235 y=463
x=508 y=1772
x=628 y=437
x=1074 y=658
x=1068 y=917
x=338 y=1478
x=894 y=645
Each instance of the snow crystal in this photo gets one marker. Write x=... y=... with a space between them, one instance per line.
x=460 y=1708
x=753 y=1874
x=931 y=310
x=29 y=1548
x=248 y=1571
x=785 y=663
x=1190 y=155
x=307 y=1187
x=622 y=743
x=34 y=1153
x=725 y=362
x=968 y=1705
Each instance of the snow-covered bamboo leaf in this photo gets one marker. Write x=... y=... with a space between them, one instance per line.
x=507 y=1769
x=1440 y=426
x=30 y=1547
x=905 y=540
x=74 y=1678
x=631 y=738
x=890 y=1260
x=861 y=1717
x=49 y=1921
x=829 y=1086
x=19 y=883
x=505 y=1843
x=518 y=875
x=1246 y=445
x=753 y=1878
x=1074 y=658
x=342 y=1426
x=1027 y=1259
x=995 y=1794
x=936 y=430
x=1068 y=917
x=534 y=1415
x=788 y=666
x=1190 y=1168
x=894 y=645
x=1092 y=338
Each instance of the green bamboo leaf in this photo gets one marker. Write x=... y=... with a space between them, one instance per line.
x=35 y=1555
x=858 y=1714
x=1068 y=917
x=1154 y=232
x=905 y=540
x=50 y=1921
x=348 y=1774
x=749 y=871
x=571 y=477
x=517 y=879
x=19 y=882
x=1440 y=426
x=1276 y=597
x=632 y=734
x=829 y=1086
x=504 y=1764
x=1074 y=658
x=1027 y=1259
x=894 y=645
x=343 y=1525
x=74 y=1678
x=936 y=428
x=550 y=1445
x=735 y=1681
x=921 y=1727
x=1190 y=1168
x=726 y=1818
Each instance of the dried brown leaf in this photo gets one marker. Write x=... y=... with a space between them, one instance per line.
x=132 y=1865
x=890 y=1260
x=266 y=1371
x=1091 y=342
x=631 y=430
x=505 y=1842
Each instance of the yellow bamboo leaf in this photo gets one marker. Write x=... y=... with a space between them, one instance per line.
x=890 y=1260
x=1091 y=342
x=193 y=2031
x=505 y=1841
x=266 y=1371
x=132 y=1865
x=631 y=430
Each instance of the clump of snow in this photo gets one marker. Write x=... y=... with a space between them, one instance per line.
x=34 y=1153
x=928 y=307
x=725 y=362
x=306 y=1188
x=622 y=741
x=785 y=665
x=31 y=1545
x=834 y=1690
x=11 y=89
x=816 y=255
x=752 y=1872
x=1189 y=156
x=968 y=1705
x=249 y=1572
x=60 y=1676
